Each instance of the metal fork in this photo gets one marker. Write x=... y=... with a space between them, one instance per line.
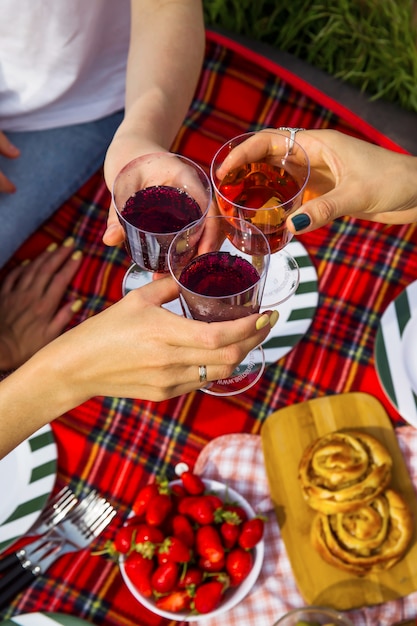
x=55 y=511
x=83 y=524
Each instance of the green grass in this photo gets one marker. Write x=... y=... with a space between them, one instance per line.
x=371 y=44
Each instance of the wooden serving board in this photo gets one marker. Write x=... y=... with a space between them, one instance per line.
x=285 y=435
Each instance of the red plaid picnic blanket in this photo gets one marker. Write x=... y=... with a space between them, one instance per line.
x=114 y=444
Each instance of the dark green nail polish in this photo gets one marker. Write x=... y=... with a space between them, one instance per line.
x=301 y=221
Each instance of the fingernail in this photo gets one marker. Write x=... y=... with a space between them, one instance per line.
x=52 y=246
x=76 y=255
x=25 y=262
x=76 y=306
x=262 y=321
x=69 y=241
x=273 y=318
x=301 y=221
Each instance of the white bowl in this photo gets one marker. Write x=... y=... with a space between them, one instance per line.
x=233 y=595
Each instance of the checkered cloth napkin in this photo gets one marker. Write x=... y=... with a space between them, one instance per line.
x=238 y=461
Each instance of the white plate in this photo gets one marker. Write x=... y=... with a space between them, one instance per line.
x=295 y=315
x=409 y=342
x=27 y=477
x=396 y=353
x=44 y=619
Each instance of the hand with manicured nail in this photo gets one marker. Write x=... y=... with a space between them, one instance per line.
x=355 y=178
x=135 y=348
x=348 y=176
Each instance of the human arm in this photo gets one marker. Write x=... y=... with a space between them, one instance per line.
x=31 y=309
x=135 y=349
x=165 y=58
x=348 y=177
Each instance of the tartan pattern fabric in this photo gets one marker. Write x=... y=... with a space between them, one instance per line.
x=115 y=445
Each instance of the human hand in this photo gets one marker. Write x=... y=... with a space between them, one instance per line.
x=348 y=176
x=356 y=178
x=30 y=297
x=138 y=349
x=10 y=151
x=125 y=147
x=157 y=169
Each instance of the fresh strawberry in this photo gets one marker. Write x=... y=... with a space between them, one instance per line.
x=235 y=508
x=165 y=577
x=216 y=501
x=208 y=596
x=208 y=544
x=173 y=549
x=178 y=492
x=181 y=528
x=251 y=533
x=158 y=509
x=193 y=484
x=201 y=510
x=143 y=498
x=139 y=570
x=192 y=576
x=239 y=563
x=230 y=533
x=124 y=539
x=146 y=532
x=207 y=566
x=175 y=601
x=185 y=504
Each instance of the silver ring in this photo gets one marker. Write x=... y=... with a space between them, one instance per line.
x=292 y=132
x=202 y=372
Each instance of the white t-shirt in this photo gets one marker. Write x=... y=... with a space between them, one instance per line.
x=62 y=62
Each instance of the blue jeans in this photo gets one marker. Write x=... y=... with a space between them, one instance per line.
x=53 y=164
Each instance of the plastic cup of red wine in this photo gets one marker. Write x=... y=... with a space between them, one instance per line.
x=264 y=186
x=156 y=196
x=221 y=280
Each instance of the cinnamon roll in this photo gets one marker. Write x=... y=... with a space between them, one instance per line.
x=342 y=470
x=371 y=538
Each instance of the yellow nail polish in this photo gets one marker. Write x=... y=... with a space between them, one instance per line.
x=25 y=262
x=76 y=306
x=52 y=246
x=69 y=241
x=262 y=321
x=273 y=318
x=76 y=255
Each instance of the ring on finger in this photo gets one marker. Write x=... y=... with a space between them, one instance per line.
x=292 y=132
x=202 y=373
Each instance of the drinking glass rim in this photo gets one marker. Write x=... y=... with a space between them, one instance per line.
x=208 y=187
x=327 y=611
x=252 y=134
x=262 y=275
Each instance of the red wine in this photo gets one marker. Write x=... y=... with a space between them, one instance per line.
x=227 y=280
x=158 y=212
x=263 y=187
x=161 y=209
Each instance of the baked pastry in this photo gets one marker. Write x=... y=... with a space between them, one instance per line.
x=372 y=538
x=342 y=470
